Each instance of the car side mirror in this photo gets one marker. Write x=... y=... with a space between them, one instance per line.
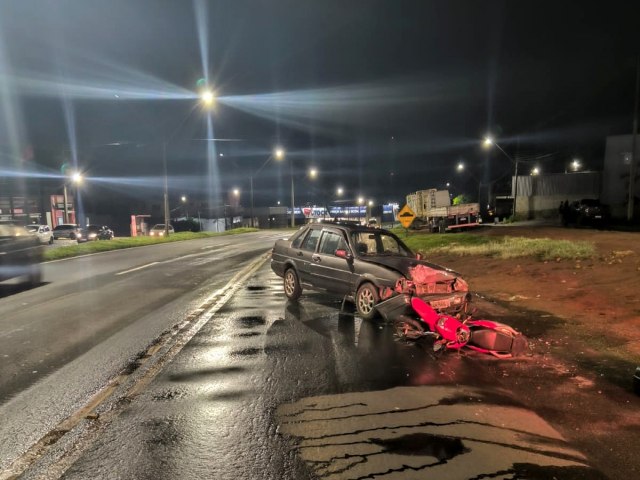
x=418 y=256
x=342 y=253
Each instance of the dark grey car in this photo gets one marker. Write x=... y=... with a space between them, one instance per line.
x=366 y=265
x=20 y=255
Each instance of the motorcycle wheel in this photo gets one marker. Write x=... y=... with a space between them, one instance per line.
x=408 y=328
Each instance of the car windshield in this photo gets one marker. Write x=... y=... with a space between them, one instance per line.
x=379 y=243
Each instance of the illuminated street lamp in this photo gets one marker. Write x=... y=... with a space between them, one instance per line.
x=370 y=203
x=575 y=165
x=236 y=192
x=76 y=178
x=280 y=154
x=535 y=171
x=207 y=98
x=313 y=173
x=488 y=142
x=460 y=167
x=339 y=191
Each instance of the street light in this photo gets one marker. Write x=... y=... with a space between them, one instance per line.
x=280 y=154
x=535 y=171
x=339 y=191
x=460 y=166
x=488 y=142
x=313 y=173
x=207 y=98
x=575 y=165
x=75 y=177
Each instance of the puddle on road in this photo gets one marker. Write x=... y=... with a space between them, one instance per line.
x=248 y=334
x=256 y=288
x=246 y=352
x=252 y=321
x=203 y=374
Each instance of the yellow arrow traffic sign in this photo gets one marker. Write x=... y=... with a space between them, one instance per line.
x=406 y=216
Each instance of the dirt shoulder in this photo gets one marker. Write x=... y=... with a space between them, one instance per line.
x=583 y=322
x=600 y=295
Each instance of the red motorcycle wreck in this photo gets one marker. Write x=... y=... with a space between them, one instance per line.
x=485 y=336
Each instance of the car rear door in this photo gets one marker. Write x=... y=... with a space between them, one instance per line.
x=328 y=271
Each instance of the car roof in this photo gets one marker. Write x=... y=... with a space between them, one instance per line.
x=349 y=226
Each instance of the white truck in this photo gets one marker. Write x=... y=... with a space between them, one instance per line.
x=434 y=211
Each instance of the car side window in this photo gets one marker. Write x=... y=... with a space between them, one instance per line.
x=297 y=239
x=331 y=242
x=311 y=240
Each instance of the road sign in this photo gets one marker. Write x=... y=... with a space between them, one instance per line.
x=406 y=216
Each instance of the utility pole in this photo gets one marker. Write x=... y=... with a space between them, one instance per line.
x=634 y=136
x=166 y=189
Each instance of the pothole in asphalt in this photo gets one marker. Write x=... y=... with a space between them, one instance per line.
x=254 y=288
x=438 y=446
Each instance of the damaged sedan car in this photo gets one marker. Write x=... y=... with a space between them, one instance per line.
x=367 y=266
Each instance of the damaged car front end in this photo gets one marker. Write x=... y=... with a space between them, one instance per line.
x=372 y=268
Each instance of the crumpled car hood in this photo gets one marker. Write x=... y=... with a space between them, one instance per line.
x=419 y=271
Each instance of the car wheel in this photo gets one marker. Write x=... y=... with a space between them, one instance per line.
x=292 y=288
x=51 y=240
x=366 y=299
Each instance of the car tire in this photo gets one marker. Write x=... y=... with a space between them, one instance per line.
x=292 y=288
x=366 y=299
x=51 y=240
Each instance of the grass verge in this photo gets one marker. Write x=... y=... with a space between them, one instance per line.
x=129 y=242
x=500 y=247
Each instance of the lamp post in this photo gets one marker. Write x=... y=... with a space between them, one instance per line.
x=207 y=98
x=489 y=141
x=76 y=177
x=280 y=154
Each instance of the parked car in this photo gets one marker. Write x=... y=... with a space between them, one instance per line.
x=66 y=231
x=95 y=232
x=20 y=255
x=365 y=265
x=158 y=230
x=587 y=211
x=42 y=232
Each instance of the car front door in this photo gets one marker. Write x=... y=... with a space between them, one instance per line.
x=302 y=255
x=330 y=272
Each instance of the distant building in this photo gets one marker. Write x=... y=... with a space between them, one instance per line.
x=540 y=195
x=615 y=178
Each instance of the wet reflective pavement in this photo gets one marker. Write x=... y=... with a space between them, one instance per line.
x=271 y=389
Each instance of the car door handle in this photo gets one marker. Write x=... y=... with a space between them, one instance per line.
x=316 y=258
x=300 y=254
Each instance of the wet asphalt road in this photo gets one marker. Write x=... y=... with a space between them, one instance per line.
x=62 y=341
x=274 y=390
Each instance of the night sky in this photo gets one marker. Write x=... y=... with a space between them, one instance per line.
x=382 y=97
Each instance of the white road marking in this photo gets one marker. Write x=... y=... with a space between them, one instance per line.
x=137 y=268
